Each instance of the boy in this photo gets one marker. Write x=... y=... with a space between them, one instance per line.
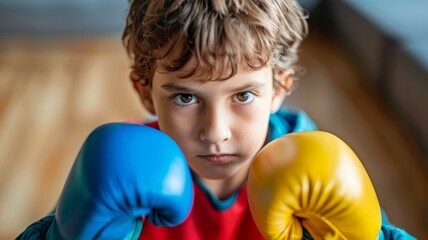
x=215 y=74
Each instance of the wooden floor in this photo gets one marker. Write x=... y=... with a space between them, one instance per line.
x=53 y=92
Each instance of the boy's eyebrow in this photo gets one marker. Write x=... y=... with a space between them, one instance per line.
x=175 y=88
x=248 y=86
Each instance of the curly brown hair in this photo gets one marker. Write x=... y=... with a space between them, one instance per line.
x=222 y=35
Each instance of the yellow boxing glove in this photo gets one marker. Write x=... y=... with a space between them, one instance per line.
x=312 y=180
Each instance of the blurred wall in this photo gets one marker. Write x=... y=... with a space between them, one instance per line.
x=66 y=17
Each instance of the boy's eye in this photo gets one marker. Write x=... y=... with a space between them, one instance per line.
x=243 y=97
x=185 y=99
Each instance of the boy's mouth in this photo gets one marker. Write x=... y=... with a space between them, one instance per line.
x=218 y=157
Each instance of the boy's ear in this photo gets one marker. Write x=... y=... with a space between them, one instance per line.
x=281 y=87
x=144 y=92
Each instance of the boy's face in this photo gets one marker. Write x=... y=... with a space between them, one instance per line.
x=219 y=125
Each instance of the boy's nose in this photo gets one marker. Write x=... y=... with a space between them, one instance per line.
x=215 y=128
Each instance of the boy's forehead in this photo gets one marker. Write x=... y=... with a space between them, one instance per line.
x=192 y=71
x=243 y=77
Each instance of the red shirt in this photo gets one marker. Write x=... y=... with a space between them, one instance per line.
x=205 y=222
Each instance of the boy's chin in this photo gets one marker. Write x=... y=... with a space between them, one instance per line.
x=226 y=173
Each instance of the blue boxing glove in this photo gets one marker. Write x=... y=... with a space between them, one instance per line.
x=123 y=172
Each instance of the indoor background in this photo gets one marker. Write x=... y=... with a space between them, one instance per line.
x=64 y=71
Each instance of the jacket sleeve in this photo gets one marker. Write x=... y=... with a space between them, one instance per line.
x=390 y=232
x=38 y=229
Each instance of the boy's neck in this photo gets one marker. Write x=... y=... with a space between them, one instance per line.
x=224 y=188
